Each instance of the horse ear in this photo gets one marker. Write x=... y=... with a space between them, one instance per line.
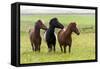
x=55 y=18
x=75 y=23
x=39 y=20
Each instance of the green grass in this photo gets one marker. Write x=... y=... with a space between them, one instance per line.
x=83 y=46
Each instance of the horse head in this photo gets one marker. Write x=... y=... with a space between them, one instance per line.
x=55 y=23
x=41 y=25
x=74 y=28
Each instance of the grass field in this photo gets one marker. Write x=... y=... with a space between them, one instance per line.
x=83 y=46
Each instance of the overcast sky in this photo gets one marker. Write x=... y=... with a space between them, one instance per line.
x=37 y=9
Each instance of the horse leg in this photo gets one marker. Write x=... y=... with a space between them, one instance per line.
x=54 y=44
x=61 y=48
x=32 y=46
x=39 y=47
x=54 y=48
x=49 y=47
x=64 y=48
x=36 y=46
x=69 y=48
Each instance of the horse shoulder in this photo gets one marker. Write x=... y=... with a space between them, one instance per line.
x=32 y=34
x=60 y=35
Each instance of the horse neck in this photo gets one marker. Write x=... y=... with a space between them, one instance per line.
x=37 y=30
x=68 y=32
x=52 y=29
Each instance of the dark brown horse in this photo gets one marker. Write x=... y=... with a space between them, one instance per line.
x=35 y=37
x=64 y=36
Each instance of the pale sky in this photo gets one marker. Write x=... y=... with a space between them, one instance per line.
x=37 y=9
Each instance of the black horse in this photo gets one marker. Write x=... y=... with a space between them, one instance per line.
x=50 y=35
